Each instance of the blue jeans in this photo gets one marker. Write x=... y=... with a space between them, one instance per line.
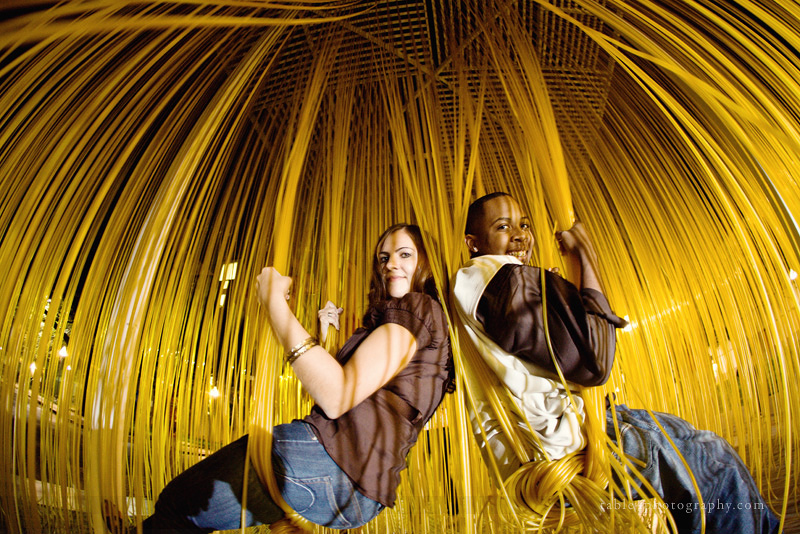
x=731 y=500
x=208 y=496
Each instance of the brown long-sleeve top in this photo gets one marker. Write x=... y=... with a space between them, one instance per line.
x=580 y=323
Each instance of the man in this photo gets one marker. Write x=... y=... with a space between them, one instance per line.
x=501 y=300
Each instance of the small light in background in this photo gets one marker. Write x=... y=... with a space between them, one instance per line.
x=63 y=352
x=792 y=274
x=227 y=274
x=33 y=367
x=628 y=327
x=214 y=393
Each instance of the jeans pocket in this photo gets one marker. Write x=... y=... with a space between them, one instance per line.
x=633 y=444
x=637 y=448
x=314 y=499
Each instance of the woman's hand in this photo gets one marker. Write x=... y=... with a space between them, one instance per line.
x=272 y=288
x=328 y=316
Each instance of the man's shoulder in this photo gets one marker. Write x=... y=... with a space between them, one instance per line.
x=481 y=266
x=471 y=280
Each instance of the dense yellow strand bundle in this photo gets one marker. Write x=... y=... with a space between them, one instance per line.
x=154 y=156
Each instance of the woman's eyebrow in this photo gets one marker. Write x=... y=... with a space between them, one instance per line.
x=386 y=253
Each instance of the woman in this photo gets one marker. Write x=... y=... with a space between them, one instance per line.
x=340 y=466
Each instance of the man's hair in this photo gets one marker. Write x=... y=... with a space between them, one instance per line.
x=475 y=211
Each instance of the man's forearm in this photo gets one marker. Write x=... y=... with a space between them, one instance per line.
x=581 y=258
x=590 y=278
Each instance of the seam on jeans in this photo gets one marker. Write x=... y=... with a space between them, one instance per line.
x=355 y=500
x=309 y=432
x=335 y=505
x=312 y=438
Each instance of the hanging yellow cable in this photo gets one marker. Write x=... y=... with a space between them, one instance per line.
x=155 y=155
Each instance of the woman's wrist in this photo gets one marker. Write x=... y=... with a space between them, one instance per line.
x=280 y=317
x=277 y=304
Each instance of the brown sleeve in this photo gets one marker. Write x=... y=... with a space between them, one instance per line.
x=419 y=314
x=581 y=324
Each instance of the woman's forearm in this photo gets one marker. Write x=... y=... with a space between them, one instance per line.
x=284 y=324
x=319 y=372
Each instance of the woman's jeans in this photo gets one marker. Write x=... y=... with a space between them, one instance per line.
x=731 y=500
x=208 y=496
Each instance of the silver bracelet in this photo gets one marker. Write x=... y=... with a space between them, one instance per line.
x=300 y=349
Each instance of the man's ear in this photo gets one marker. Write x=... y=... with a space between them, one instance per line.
x=472 y=243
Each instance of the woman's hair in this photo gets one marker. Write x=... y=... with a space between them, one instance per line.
x=421 y=282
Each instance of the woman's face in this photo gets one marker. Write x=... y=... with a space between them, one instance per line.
x=397 y=258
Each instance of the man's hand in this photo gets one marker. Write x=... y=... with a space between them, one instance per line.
x=576 y=241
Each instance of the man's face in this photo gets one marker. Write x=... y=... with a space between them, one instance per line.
x=503 y=229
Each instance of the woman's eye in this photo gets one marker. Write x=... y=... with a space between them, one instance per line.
x=405 y=255
x=383 y=259
x=525 y=226
x=502 y=227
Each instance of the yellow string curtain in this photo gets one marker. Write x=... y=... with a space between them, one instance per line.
x=154 y=156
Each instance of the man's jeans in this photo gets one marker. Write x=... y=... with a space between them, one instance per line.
x=208 y=496
x=731 y=500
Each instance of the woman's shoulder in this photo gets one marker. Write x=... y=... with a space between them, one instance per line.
x=415 y=311
x=420 y=304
